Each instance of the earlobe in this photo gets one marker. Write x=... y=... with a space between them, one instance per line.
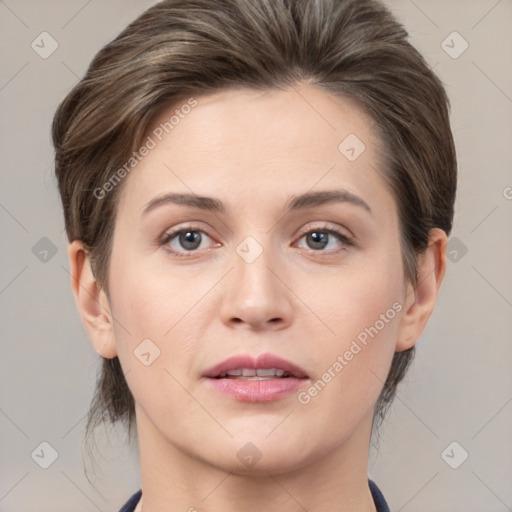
x=91 y=301
x=420 y=299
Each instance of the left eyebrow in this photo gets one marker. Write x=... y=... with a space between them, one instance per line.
x=300 y=202
x=325 y=197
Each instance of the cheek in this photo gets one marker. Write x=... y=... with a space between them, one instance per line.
x=363 y=313
x=161 y=311
x=362 y=304
x=157 y=340
x=353 y=365
x=366 y=333
x=151 y=300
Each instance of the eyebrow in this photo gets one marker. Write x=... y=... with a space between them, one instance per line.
x=300 y=202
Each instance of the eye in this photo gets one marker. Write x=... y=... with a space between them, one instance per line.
x=319 y=238
x=187 y=239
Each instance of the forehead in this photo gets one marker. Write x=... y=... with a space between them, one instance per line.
x=294 y=113
x=260 y=144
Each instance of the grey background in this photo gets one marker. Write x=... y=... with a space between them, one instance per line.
x=460 y=386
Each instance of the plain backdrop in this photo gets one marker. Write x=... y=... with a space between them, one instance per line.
x=456 y=401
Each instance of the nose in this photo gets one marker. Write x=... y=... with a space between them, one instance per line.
x=256 y=296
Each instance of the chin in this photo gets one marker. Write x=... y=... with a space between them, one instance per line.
x=251 y=453
x=264 y=463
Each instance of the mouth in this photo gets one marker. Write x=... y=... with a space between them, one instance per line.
x=256 y=379
x=255 y=374
x=263 y=367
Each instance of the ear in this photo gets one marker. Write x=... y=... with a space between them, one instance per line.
x=92 y=301
x=420 y=299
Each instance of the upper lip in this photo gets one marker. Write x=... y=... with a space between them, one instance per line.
x=263 y=361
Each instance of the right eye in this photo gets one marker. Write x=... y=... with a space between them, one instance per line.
x=184 y=240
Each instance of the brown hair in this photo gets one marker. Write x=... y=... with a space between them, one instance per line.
x=354 y=48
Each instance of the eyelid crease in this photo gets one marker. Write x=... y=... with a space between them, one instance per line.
x=329 y=229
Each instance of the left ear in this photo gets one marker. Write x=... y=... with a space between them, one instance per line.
x=421 y=298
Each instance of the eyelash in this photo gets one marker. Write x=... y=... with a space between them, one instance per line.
x=167 y=237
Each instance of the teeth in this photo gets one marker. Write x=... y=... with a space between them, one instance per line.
x=271 y=372
x=251 y=372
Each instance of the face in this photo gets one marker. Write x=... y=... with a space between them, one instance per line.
x=311 y=286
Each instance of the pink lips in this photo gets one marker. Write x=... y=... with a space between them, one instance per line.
x=256 y=390
x=263 y=361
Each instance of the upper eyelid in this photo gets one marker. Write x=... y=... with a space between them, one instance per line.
x=327 y=227
x=168 y=235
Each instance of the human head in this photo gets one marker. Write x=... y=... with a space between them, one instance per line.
x=177 y=49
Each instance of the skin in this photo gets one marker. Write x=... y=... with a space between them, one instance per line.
x=306 y=304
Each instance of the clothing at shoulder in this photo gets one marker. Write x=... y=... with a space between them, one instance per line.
x=378 y=498
x=130 y=505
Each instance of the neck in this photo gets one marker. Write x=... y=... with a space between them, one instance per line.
x=173 y=479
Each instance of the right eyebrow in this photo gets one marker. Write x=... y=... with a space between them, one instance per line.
x=204 y=203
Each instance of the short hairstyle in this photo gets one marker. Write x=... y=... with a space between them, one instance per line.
x=352 y=48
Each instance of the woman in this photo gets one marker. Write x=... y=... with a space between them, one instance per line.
x=257 y=196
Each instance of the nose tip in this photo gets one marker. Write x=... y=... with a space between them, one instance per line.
x=257 y=321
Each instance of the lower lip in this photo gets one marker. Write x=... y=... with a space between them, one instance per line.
x=257 y=390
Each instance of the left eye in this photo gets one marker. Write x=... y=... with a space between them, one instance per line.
x=318 y=239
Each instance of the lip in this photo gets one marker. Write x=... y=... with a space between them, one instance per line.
x=264 y=390
x=264 y=361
